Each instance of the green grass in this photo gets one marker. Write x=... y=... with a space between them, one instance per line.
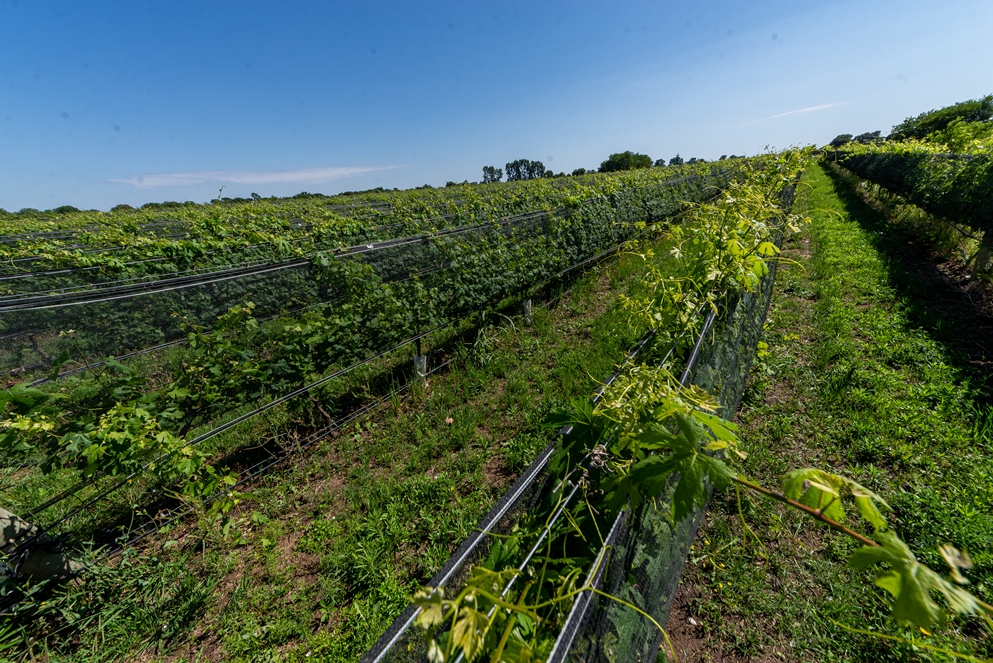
x=860 y=381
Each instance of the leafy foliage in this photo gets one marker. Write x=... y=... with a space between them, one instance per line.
x=625 y=161
x=120 y=422
x=648 y=439
x=524 y=169
x=948 y=186
x=972 y=110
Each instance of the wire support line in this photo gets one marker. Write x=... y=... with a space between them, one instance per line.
x=546 y=530
x=185 y=339
x=217 y=431
x=146 y=279
x=167 y=285
x=583 y=600
x=264 y=467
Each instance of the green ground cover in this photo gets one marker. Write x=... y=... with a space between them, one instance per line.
x=862 y=378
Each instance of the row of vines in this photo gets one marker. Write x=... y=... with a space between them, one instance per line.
x=952 y=187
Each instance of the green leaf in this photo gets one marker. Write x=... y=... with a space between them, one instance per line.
x=768 y=249
x=911 y=583
x=824 y=491
x=650 y=476
x=469 y=631
x=431 y=601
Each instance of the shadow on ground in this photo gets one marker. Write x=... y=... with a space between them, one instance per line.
x=935 y=299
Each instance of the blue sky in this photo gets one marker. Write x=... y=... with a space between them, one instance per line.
x=137 y=101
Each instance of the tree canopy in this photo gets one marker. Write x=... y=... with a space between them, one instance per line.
x=625 y=161
x=492 y=174
x=523 y=169
x=973 y=110
x=869 y=137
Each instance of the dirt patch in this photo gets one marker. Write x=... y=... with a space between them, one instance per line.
x=498 y=475
x=693 y=641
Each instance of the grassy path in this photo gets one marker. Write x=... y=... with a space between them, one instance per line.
x=864 y=379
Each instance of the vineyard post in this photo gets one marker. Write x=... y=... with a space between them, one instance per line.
x=421 y=364
x=984 y=257
x=527 y=312
x=39 y=562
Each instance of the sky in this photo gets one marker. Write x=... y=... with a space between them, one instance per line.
x=138 y=101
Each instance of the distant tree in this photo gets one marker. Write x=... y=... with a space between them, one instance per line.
x=625 y=161
x=579 y=171
x=841 y=139
x=492 y=174
x=256 y=196
x=973 y=110
x=691 y=160
x=723 y=157
x=659 y=163
x=65 y=209
x=548 y=174
x=450 y=183
x=869 y=137
x=676 y=160
x=523 y=169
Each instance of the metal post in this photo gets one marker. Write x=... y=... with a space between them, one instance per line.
x=421 y=364
x=527 y=312
x=39 y=561
x=984 y=257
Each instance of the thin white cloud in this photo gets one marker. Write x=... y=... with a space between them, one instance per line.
x=809 y=109
x=307 y=175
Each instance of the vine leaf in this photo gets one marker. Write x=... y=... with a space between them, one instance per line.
x=469 y=630
x=684 y=459
x=911 y=583
x=824 y=491
x=956 y=560
x=431 y=601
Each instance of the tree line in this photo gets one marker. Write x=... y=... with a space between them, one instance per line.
x=526 y=169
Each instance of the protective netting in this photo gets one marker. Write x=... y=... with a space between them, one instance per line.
x=86 y=315
x=644 y=554
x=956 y=187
